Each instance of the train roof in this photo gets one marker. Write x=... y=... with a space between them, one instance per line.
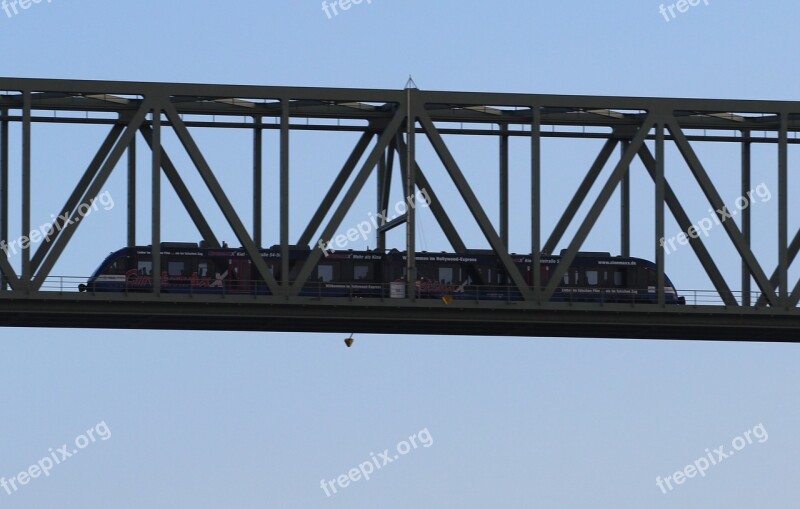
x=469 y=256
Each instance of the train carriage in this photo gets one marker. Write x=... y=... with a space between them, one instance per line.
x=473 y=275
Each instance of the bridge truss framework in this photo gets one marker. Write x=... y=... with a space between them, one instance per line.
x=389 y=123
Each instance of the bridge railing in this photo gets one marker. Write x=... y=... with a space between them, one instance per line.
x=397 y=290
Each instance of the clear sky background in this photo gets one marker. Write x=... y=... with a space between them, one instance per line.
x=255 y=420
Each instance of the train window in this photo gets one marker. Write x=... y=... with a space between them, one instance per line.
x=633 y=279
x=202 y=269
x=145 y=267
x=545 y=275
x=570 y=277
x=426 y=270
x=446 y=275
x=362 y=271
x=295 y=269
x=591 y=277
x=619 y=278
x=501 y=277
x=652 y=277
x=176 y=268
x=478 y=275
x=325 y=273
x=117 y=267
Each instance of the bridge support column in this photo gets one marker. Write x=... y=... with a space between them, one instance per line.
x=746 y=171
x=3 y=189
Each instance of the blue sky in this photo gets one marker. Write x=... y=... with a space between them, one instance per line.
x=214 y=419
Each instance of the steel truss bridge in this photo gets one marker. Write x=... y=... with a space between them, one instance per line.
x=390 y=123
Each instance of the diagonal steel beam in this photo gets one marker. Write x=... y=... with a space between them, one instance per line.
x=348 y=199
x=219 y=196
x=386 y=185
x=435 y=204
x=580 y=195
x=471 y=200
x=684 y=223
x=794 y=248
x=94 y=189
x=10 y=275
x=623 y=167
x=384 y=174
x=337 y=186
x=182 y=191
x=716 y=202
x=794 y=298
x=77 y=193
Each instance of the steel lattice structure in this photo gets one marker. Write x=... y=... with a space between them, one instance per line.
x=393 y=120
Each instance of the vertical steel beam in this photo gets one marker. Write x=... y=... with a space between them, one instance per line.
x=504 y=183
x=3 y=190
x=284 y=195
x=783 y=210
x=536 y=201
x=625 y=207
x=257 y=179
x=410 y=188
x=26 y=187
x=380 y=183
x=746 y=179
x=132 y=193
x=659 y=213
x=156 y=201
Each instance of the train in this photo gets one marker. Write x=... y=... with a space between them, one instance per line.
x=474 y=275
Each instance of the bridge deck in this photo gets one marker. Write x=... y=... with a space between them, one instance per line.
x=396 y=316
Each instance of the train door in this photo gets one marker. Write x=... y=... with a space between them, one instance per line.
x=239 y=276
